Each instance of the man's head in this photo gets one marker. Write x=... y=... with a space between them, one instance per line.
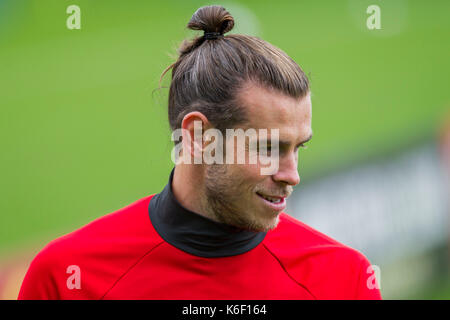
x=239 y=81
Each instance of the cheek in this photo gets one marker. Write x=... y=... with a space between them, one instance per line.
x=249 y=176
x=249 y=172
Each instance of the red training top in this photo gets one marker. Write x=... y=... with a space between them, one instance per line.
x=156 y=249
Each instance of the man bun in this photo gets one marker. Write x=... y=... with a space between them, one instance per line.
x=211 y=19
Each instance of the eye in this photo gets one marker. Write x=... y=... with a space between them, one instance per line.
x=263 y=148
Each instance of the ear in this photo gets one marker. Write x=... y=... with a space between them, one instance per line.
x=193 y=126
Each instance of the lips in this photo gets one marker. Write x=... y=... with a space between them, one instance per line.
x=273 y=199
x=276 y=203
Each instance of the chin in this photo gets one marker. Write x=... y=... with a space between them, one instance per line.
x=265 y=225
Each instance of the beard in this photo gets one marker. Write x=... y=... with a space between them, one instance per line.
x=225 y=200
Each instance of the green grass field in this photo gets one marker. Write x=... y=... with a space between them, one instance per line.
x=83 y=135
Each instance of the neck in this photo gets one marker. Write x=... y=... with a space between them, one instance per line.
x=194 y=233
x=188 y=189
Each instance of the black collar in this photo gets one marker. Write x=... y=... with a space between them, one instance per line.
x=194 y=233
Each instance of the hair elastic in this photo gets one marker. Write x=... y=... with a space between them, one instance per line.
x=211 y=35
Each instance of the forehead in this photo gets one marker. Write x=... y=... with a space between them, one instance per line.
x=270 y=109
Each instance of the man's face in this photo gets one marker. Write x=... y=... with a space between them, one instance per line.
x=237 y=193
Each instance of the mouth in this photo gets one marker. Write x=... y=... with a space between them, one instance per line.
x=276 y=203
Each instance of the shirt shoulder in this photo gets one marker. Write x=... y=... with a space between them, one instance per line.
x=325 y=266
x=97 y=254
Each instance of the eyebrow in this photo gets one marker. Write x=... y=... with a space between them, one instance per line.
x=285 y=143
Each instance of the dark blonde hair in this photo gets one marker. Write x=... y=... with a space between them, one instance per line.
x=210 y=72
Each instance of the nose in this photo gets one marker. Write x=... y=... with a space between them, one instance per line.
x=287 y=170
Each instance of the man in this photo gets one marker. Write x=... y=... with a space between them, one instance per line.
x=217 y=230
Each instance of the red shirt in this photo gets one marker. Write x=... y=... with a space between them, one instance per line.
x=130 y=254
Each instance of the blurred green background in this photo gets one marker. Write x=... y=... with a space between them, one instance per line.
x=84 y=131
